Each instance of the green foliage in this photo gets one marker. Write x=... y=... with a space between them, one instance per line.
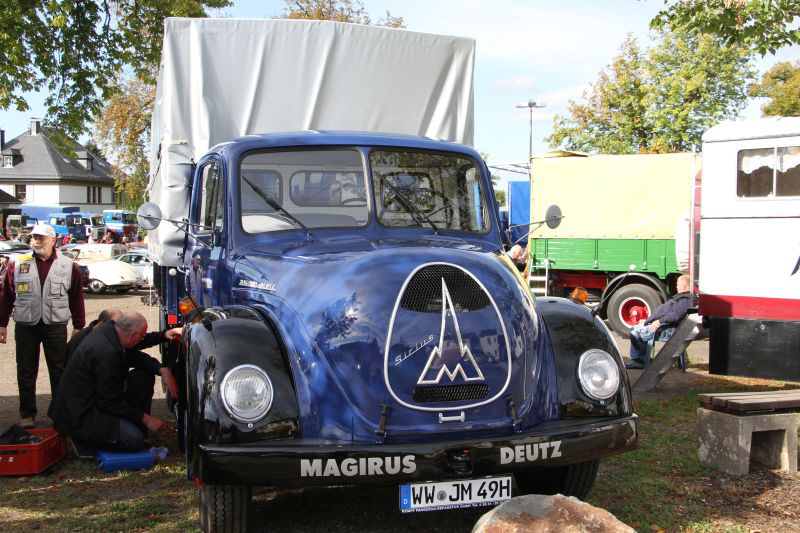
x=500 y=196
x=761 y=25
x=352 y=11
x=781 y=84
x=74 y=50
x=659 y=100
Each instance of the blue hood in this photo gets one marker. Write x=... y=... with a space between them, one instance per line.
x=430 y=334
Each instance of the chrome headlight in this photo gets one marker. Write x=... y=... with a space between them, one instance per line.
x=246 y=393
x=598 y=374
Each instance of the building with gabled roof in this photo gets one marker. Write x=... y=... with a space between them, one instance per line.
x=35 y=171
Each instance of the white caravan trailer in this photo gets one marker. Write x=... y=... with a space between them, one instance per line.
x=749 y=274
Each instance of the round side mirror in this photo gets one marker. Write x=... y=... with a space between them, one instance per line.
x=149 y=215
x=553 y=216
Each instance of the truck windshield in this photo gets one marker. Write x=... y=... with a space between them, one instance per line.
x=444 y=188
x=321 y=188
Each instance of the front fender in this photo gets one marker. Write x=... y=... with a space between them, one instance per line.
x=573 y=330
x=224 y=339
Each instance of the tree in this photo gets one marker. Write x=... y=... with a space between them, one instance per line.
x=659 y=100
x=762 y=25
x=123 y=132
x=337 y=10
x=75 y=49
x=781 y=84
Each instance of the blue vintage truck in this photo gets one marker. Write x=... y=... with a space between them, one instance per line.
x=350 y=314
x=120 y=222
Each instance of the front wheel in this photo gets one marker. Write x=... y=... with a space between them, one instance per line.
x=570 y=480
x=629 y=305
x=96 y=286
x=223 y=508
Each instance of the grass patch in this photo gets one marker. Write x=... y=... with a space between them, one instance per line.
x=662 y=486
x=647 y=488
x=78 y=496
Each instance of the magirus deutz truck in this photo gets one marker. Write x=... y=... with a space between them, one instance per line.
x=330 y=241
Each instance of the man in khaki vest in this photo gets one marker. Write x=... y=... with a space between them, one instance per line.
x=43 y=289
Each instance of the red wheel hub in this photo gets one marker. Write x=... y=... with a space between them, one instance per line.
x=633 y=310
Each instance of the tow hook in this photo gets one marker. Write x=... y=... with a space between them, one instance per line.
x=459 y=461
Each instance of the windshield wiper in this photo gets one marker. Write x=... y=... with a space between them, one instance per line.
x=276 y=206
x=415 y=213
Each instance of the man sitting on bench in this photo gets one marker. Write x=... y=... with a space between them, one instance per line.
x=660 y=325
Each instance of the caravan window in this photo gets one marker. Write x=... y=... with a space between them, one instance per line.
x=767 y=172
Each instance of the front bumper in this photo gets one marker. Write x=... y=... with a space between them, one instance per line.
x=549 y=444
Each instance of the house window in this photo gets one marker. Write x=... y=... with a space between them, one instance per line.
x=8 y=161
x=94 y=195
x=19 y=192
x=88 y=164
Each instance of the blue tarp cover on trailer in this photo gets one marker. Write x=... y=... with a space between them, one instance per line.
x=519 y=209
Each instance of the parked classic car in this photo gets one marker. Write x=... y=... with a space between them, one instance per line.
x=139 y=260
x=109 y=274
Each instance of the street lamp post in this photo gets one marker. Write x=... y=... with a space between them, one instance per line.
x=530 y=105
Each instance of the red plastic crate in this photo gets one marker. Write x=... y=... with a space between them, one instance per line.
x=26 y=459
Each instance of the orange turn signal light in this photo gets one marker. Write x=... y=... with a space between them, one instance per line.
x=188 y=309
x=579 y=293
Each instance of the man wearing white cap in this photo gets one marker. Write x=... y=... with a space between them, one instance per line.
x=42 y=289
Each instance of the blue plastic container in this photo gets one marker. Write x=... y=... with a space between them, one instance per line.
x=113 y=461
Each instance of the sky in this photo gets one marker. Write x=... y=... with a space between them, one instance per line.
x=539 y=50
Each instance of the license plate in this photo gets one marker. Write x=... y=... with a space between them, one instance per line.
x=415 y=497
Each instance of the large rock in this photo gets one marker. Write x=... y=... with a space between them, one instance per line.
x=548 y=514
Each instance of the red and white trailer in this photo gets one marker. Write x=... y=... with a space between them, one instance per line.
x=749 y=263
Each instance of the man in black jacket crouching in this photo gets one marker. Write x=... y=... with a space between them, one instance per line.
x=108 y=388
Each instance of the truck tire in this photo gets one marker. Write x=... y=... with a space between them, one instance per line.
x=223 y=508
x=570 y=480
x=95 y=286
x=629 y=304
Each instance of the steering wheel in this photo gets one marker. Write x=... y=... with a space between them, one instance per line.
x=447 y=206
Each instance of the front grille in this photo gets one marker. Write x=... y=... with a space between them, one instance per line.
x=424 y=292
x=450 y=393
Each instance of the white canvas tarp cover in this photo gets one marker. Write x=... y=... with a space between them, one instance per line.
x=614 y=196
x=225 y=78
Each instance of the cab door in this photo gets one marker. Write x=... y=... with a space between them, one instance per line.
x=204 y=260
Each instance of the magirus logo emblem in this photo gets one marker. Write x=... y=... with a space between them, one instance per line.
x=437 y=366
x=447 y=347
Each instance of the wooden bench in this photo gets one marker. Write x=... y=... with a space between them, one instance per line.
x=737 y=427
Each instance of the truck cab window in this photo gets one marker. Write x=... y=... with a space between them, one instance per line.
x=445 y=189
x=211 y=197
x=321 y=188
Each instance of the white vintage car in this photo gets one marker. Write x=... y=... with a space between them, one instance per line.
x=139 y=260
x=108 y=274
